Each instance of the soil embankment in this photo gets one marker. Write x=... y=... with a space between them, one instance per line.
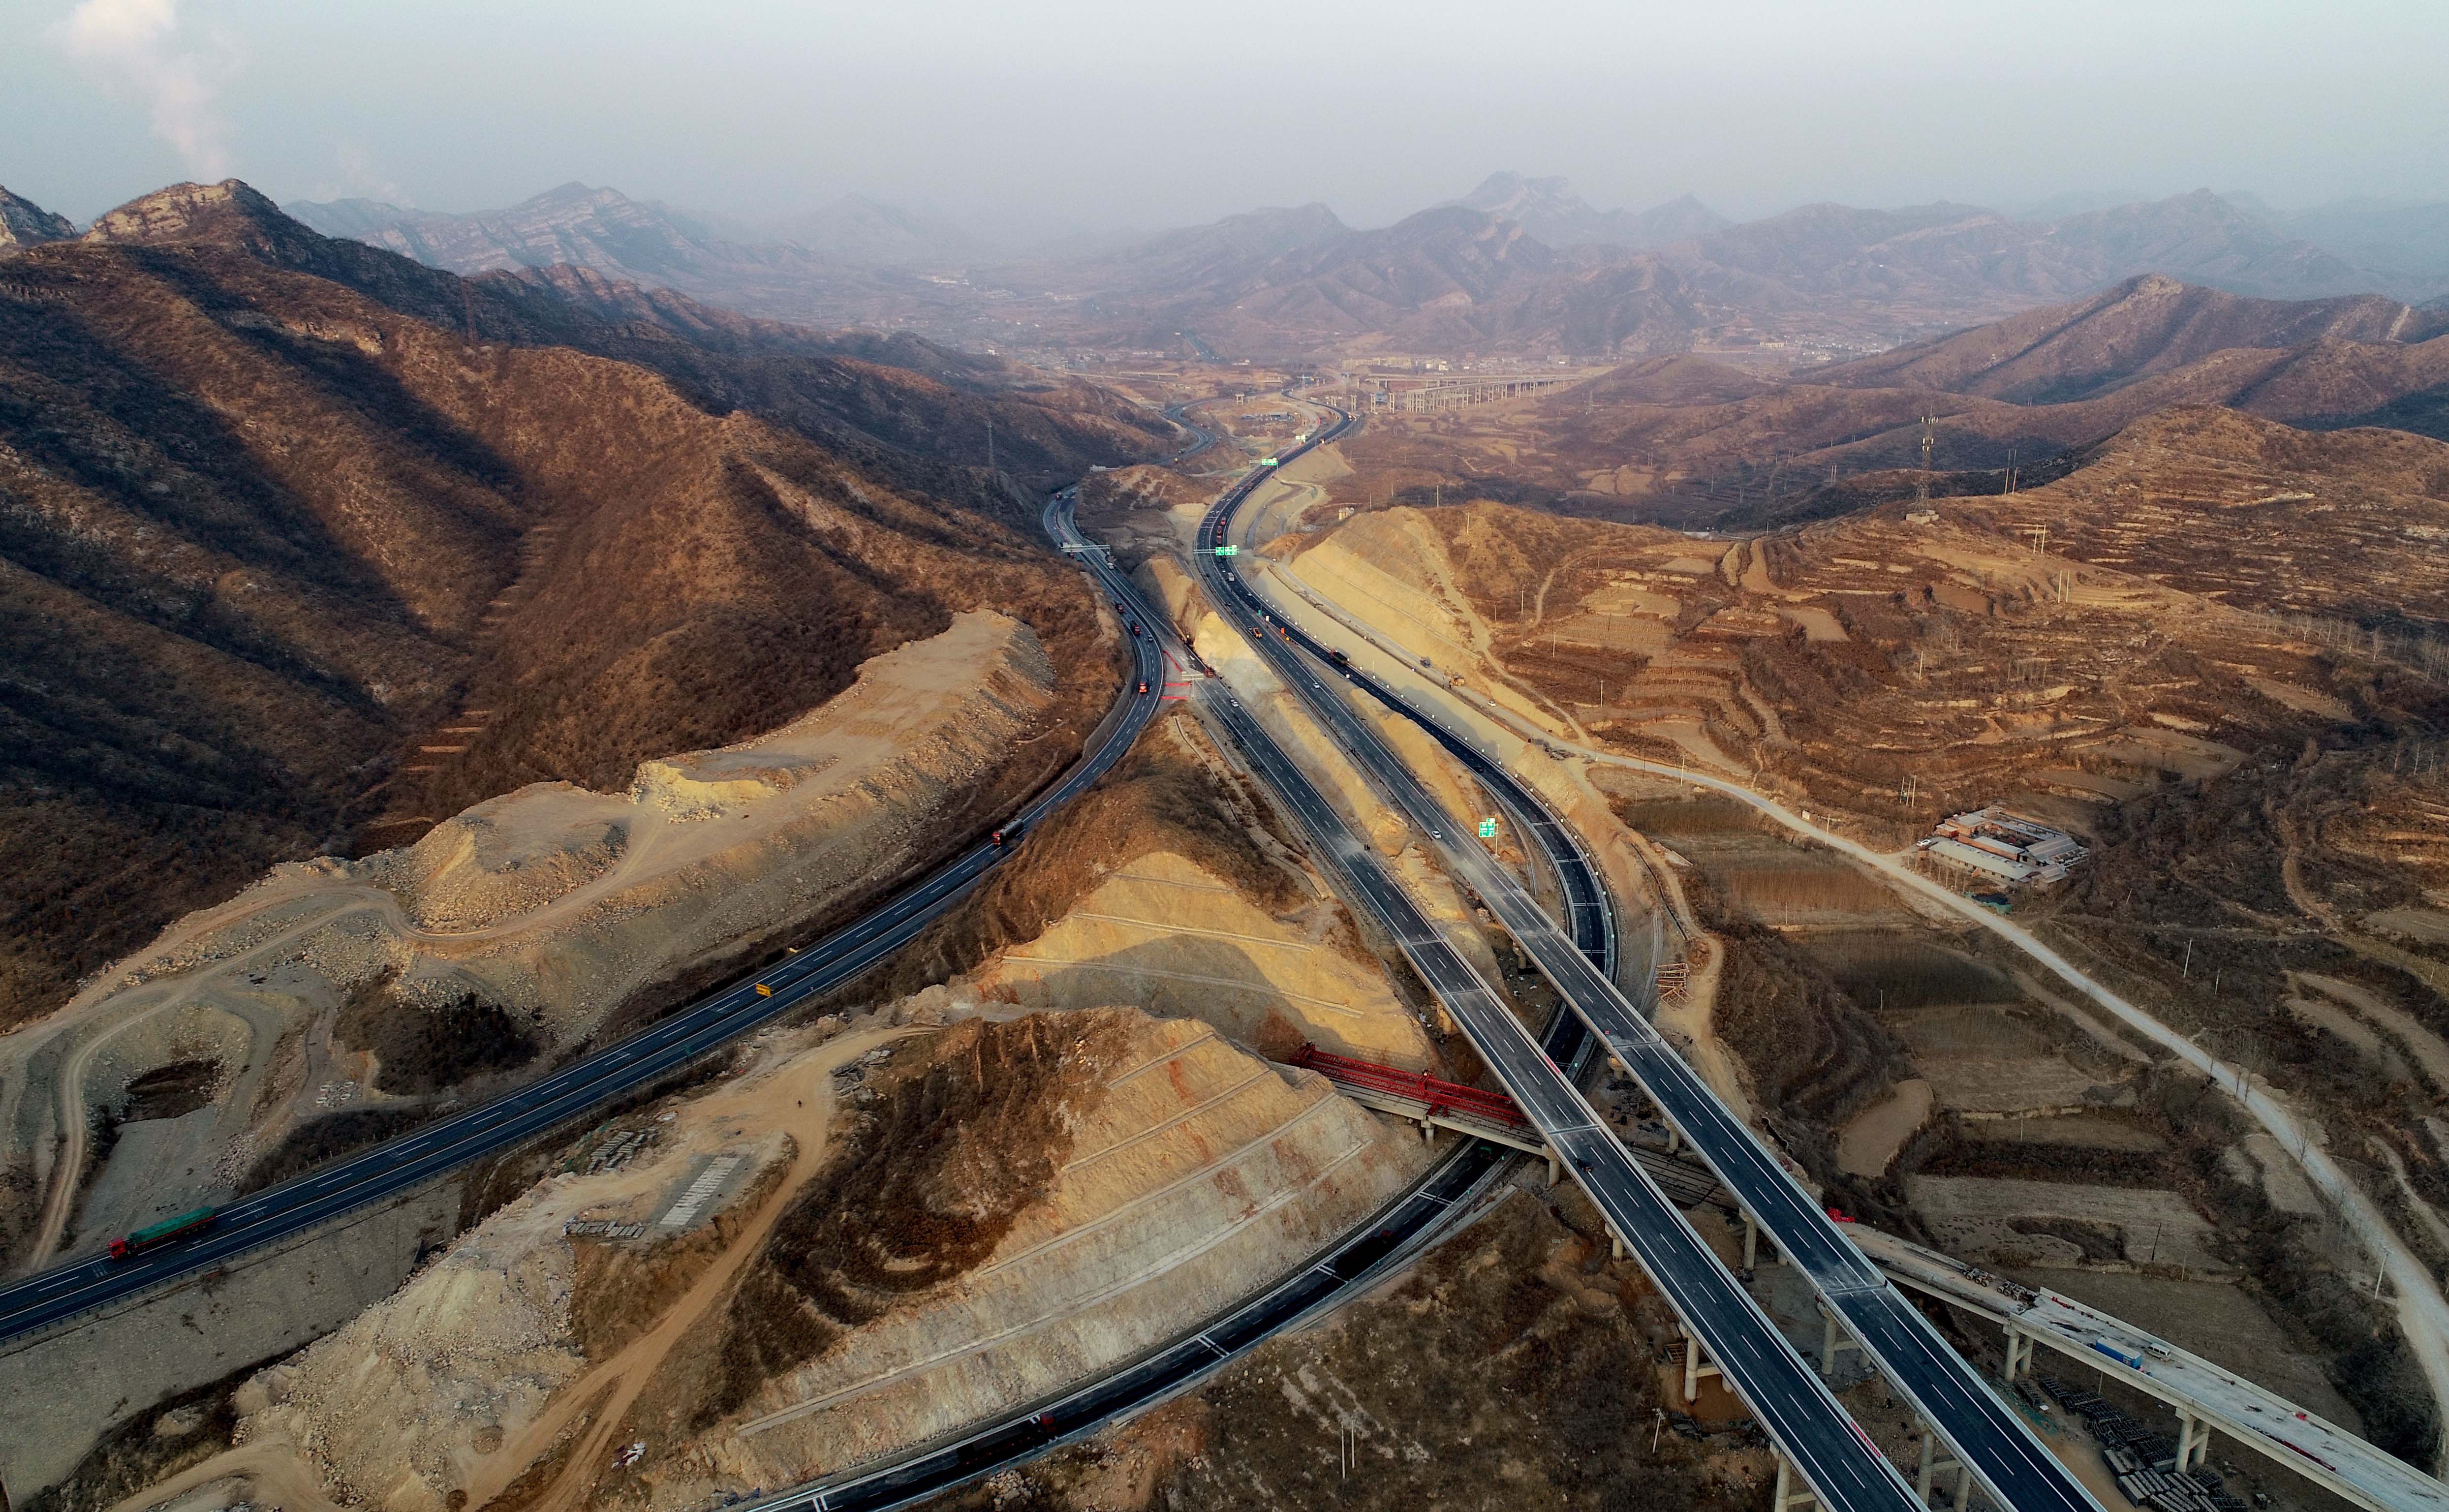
x=335 y=1000
x=861 y=1239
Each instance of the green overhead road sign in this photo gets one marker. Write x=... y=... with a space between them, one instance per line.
x=1487 y=828
x=1228 y=551
x=1266 y=462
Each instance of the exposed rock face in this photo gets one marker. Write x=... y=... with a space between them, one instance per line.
x=228 y=214
x=24 y=224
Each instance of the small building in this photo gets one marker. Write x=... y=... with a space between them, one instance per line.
x=2012 y=847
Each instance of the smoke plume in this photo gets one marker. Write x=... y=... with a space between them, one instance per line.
x=135 y=45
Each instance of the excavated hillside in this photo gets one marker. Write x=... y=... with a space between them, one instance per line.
x=1173 y=884
x=303 y=547
x=1510 y=1368
x=335 y=1002
x=864 y=1237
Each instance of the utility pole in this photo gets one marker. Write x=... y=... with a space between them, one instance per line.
x=1922 y=488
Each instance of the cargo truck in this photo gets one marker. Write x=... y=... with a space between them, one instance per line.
x=155 y=1234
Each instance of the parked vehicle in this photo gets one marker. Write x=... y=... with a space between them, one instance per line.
x=2125 y=1354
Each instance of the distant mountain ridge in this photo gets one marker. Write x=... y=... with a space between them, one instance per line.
x=1520 y=265
x=1550 y=210
x=574 y=223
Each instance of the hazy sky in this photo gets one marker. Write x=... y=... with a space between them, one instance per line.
x=1061 y=115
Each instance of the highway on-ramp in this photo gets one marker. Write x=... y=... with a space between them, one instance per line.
x=1987 y=1435
x=1791 y=1402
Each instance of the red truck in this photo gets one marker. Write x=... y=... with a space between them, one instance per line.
x=154 y=1234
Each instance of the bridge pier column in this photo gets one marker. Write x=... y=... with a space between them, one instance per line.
x=1615 y=1242
x=1693 y=1367
x=1933 y=1462
x=1428 y=1130
x=1833 y=1339
x=2194 y=1441
x=1674 y=1139
x=1791 y=1496
x=1751 y=1240
x=1556 y=1168
x=2019 y=1354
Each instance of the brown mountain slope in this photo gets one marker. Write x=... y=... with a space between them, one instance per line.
x=2145 y=325
x=2346 y=525
x=279 y=560
x=896 y=403
x=1682 y=440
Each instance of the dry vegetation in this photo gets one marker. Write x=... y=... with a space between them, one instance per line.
x=1511 y=1367
x=2222 y=665
x=964 y=1135
x=288 y=562
x=1687 y=441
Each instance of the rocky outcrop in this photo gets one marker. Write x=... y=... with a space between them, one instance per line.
x=24 y=224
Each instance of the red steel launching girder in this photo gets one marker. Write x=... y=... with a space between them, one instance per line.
x=1439 y=1096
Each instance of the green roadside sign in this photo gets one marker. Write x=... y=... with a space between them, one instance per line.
x=1228 y=551
x=1487 y=828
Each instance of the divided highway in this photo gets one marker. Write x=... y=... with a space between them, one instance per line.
x=54 y=1296
x=1348 y=1269
x=1985 y=1433
x=1791 y=1402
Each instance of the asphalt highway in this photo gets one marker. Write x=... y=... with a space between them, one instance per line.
x=1985 y=1433
x=1350 y=1268
x=1790 y=1401
x=295 y=1207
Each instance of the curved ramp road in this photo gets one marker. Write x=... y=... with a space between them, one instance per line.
x=1986 y=1434
x=1350 y=1268
x=54 y=1296
x=1790 y=1400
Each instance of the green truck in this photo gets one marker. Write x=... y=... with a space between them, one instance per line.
x=163 y=1233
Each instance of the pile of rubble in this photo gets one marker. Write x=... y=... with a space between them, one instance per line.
x=2143 y=1459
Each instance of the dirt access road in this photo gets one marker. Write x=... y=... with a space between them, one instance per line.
x=2424 y=1313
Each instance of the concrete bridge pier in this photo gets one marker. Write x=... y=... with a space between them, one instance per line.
x=2194 y=1441
x=1833 y=1339
x=2019 y=1353
x=1793 y=1492
x=1693 y=1366
x=1934 y=1462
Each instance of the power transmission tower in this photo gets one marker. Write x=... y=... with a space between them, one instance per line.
x=1922 y=488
